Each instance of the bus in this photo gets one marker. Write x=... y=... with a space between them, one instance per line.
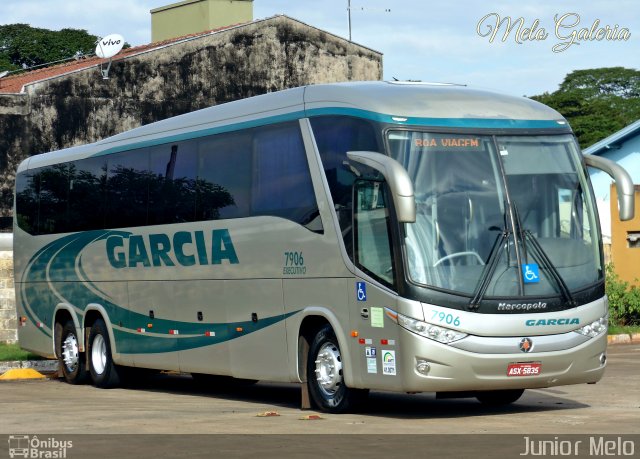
x=348 y=237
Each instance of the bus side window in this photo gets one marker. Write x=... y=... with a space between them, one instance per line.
x=54 y=199
x=87 y=190
x=27 y=200
x=281 y=179
x=172 y=183
x=335 y=136
x=127 y=189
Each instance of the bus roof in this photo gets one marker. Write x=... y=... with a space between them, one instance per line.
x=410 y=103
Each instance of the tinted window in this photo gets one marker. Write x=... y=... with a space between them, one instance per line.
x=127 y=189
x=224 y=176
x=335 y=136
x=27 y=200
x=172 y=183
x=261 y=171
x=54 y=197
x=281 y=181
x=87 y=187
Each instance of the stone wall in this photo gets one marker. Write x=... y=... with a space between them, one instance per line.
x=8 y=318
x=260 y=57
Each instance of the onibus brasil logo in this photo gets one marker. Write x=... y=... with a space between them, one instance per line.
x=33 y=447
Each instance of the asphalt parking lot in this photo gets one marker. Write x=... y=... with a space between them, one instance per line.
x=174 y=404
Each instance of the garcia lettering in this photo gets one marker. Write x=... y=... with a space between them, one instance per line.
x=549 y=322
x=184 y=249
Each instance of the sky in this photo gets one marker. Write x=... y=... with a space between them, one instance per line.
x=447 y=41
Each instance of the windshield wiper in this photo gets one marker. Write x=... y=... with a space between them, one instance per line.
x=548 y=265
x=542 y=256
x=492 y=262
x=489 y=269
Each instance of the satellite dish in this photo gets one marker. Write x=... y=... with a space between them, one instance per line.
x=109 y=46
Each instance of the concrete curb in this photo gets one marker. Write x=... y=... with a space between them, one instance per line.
x=631 y=338
x=41 y=366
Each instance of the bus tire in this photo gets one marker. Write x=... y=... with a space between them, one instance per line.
x=499 y=397
x=325 y=380
x=103 y=371
x=71 y=360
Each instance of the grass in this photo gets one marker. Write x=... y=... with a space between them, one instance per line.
x=9 y=352
x=623 y=330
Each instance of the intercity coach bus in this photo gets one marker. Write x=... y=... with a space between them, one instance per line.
x=361 y=236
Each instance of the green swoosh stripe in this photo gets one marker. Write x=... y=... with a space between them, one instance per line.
x=55 y=274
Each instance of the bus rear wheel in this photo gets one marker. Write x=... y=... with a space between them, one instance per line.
x=103 y=371
x=325 y=380
x=71 y=360
x=499 y=397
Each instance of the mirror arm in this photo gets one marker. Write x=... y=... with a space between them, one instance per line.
x=396 y=176
x=623 y=181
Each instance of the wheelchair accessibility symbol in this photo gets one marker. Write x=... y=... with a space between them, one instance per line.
x=361 y=291
x=531 y=273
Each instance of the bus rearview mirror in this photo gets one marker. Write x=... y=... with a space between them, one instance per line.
x=624 y=184
x=397 y=178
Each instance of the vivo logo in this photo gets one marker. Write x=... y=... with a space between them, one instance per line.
x=109 y=46
x=549 y=322
x=110 y=42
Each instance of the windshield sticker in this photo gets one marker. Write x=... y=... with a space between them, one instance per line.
x=531 y=273
x=377 y=317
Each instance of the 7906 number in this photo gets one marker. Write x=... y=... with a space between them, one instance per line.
x=293 y=259
x=446 y=318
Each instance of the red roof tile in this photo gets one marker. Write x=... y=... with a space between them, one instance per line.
x=15 y=83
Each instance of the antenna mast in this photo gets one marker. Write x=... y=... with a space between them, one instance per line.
x=386 y=10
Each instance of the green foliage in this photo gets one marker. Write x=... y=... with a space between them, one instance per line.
x=24 y=46
x=9 y=352
x=624 y=300
x=597 y=102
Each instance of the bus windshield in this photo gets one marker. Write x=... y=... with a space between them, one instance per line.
x=514 y=213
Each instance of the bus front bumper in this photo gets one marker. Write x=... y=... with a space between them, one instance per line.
x=435 y=367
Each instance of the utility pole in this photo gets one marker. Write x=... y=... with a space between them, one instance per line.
x=349 y=9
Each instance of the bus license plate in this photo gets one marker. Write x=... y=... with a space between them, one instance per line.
x=524 y=369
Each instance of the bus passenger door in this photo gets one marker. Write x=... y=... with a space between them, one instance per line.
x=375 y=351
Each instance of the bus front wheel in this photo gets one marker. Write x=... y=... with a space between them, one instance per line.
x=325 y=380
x=103 y=371
x=70 y=358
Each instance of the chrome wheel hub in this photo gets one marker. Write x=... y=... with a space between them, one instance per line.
x=99 y=354
x=329 y=368
x=70 y=353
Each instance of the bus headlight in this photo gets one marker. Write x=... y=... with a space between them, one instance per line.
x=434 y=332
x=595 y=328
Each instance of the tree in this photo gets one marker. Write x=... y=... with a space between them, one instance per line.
x=24 y=46
x=597 y=102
